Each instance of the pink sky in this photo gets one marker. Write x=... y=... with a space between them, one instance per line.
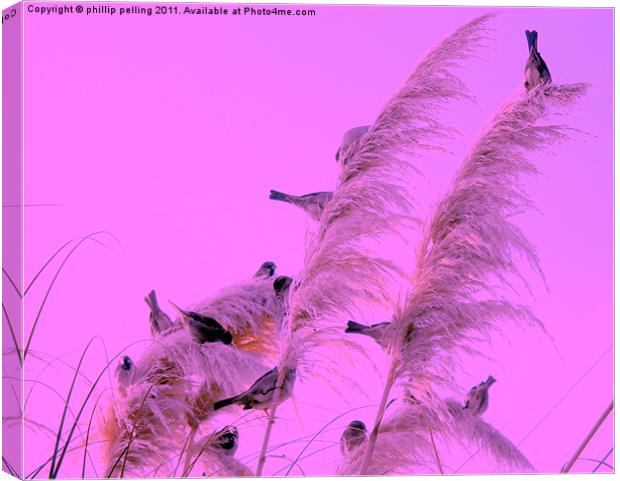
x=169 y=132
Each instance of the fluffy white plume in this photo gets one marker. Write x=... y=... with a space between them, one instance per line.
x=371 y=197
x=341 y=275
x=208 y=461
x=469 y=250
x=472 y=430
x=467 y=253
x=251 y=311
x=405 y=446
x=176 y=383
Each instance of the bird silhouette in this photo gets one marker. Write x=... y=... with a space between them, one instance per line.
x=313 y=204
x=477 y=401
x=260 y=394
x=204 y=329
x=267 y=269
x=536 y=70
x=158 y=319
x=353 y=436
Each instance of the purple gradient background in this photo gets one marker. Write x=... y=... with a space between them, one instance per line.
x=170 y=131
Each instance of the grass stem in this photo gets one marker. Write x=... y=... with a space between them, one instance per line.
x=270 y=422
x=567 y=467
x=372 y=440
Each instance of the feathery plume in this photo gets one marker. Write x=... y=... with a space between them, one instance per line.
x=251 y=311
x=469 y=247
x=215 y=461
x=404 y=444
x=172 y=393
x=373 y=200
x=472 y=428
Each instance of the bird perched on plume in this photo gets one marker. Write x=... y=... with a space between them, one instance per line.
x=536 y=70
x=203 y=328
x=477 y=400
x=125 y=372
x=353 y=436
x=159 y=320
x=260 y=394
x=350 y=141
x=380 y=332
x=281 y=288
x=313 y=204
x=220 y=460
x=267 y=269
x=226 y=441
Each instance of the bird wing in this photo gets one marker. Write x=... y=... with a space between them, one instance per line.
x=261 y=380
x=264 y=391
x=206 y=321
x=381 y=324
x=543 y=66
x=536 y=57
x=315 y=194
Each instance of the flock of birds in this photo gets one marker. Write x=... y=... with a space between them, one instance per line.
x=259 y=395
x=204 y=329
x=536 y=73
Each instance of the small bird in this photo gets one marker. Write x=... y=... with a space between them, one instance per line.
x=226 y=441
x=350 y=140
x=353 y=436
x=260 y=394
x=313 y=204
x=282 y=285
x=125 y=372
x=536 y=70
x=159 y=320
x=379 y=332
x=477 y=400
x=204 y=329
x=267 y=269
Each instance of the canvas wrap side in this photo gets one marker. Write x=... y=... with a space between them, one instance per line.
x=12 y=241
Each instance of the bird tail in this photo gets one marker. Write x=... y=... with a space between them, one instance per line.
x=532 y=40
x=225 y=402
x=356 y=327
x=275 y=195
x=490 y=380
x=151 y=301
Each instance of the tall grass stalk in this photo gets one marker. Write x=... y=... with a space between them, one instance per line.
x=373 y=200
x=435 y=452
x=466 y=257
x=90 y=422
x=13 y=284
x=64 y=412
x=270 y=422
x=51 y=285
x=602 y=461
x=13 y=336
x=74 y=426
x=588 y=438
